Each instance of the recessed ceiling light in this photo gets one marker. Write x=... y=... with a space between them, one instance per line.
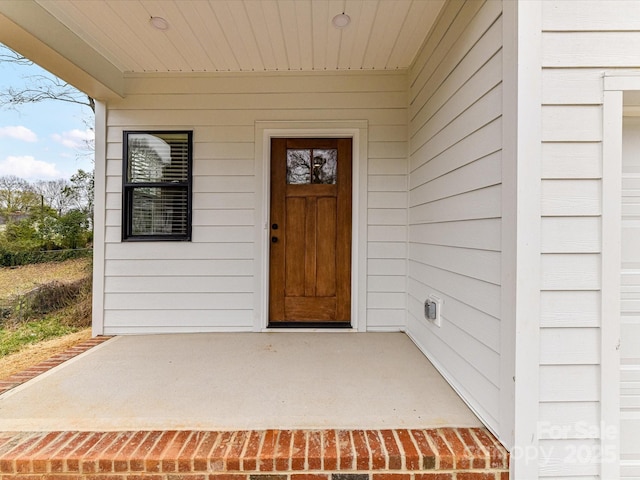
x=341 y=20
x=159 y=23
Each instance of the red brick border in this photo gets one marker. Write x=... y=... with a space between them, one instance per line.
x=401 y=454
x=431 y=454
x=17 y=379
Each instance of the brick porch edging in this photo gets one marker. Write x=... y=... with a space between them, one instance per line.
x=401 y=454
x=17 y=379
x=432 y=454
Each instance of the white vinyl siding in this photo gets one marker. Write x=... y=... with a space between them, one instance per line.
x=208 y=284
x=455 y=168
x=580 y=41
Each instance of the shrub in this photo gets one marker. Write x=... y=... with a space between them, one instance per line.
x=16 y=258
x=55 y=296
x=32 y=239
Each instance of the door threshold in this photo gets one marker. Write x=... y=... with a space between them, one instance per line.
x=338 y=325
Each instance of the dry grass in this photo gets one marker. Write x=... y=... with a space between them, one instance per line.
x=65 y=282
x=18 y=280
x=34 y=354
x=60 y=305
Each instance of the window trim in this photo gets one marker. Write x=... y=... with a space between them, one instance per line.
x=129 y=187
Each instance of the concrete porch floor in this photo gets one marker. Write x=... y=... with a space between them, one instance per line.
x=235 y=381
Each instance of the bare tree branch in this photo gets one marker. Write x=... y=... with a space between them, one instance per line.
x=38 y=88
x=8 y=55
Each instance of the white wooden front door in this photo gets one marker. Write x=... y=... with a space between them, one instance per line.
x=630 y=302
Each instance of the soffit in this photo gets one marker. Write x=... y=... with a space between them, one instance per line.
x=250 y=35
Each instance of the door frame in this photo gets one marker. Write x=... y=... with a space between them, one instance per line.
x=264 y=132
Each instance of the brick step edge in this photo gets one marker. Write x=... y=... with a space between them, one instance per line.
x=452 y=452
x=19 y=378
x=293 y=476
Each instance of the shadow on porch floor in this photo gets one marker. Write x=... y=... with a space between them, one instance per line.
x=248 y=405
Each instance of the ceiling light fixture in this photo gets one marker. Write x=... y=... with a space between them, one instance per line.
x=341 y=20
x=159 y=23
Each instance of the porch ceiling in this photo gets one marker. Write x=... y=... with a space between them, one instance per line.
x=249 y=35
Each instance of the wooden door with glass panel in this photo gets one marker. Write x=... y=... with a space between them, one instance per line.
x=310 y=232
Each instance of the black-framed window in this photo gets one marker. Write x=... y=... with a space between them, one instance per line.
x=156 y=188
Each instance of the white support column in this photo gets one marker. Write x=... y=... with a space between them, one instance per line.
x=521 y=223
x=99 y=204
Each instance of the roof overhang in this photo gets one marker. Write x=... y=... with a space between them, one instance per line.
x=95 y=45
x=29 y=29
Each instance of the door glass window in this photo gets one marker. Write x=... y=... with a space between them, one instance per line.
x=298 y=167
x=324 y=166
x=318 y=166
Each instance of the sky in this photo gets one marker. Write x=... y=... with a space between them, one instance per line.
x=42 y=141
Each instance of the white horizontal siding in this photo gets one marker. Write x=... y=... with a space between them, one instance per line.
x=572 y=123
x=476 y=175
x=483 y=234
x=208 y=284
x=591 y=15
x=569 y=383
x=261 y=101
x=387 y=231
x=165 y=321
x=188 y=251
x=570 y=308
x=471 y=351
x=387 y=250
x=571 y=197
x=570 y=87
x=591 y=49
x=580 y=40
x=227 y=166
x=453 y=19
x=455 y=209
x=224 y=234
x=179 y=301
x=211 y=133
x=480 y=143
x=571 y=235
x=571 y=160
x=387 y=199
x=569 y=420
x=428 y=121
x=160 y=267
x=480 y=264
x=169 y=118
x=570 y=458
x=480 y=295
x=474 y=205
x=178 y=284
x=223 y=217
x=571 y=272
x=482 y=327
x=387 y=283
x=482 y=112
x=483 y=390
x=224 y=200
x=559 y=346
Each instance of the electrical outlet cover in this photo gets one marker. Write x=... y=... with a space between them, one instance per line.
x=438 y=301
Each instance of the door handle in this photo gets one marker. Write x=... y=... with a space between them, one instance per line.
x=274 y=239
